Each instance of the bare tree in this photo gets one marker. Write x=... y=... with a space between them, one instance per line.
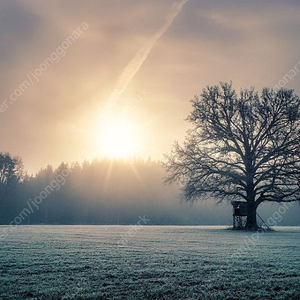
x=244 y=146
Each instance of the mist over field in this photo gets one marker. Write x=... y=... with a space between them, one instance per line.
x=117 y=192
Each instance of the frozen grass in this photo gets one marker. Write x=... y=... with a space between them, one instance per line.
x=85 y=262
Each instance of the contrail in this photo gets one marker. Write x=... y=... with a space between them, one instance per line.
x=133 y=67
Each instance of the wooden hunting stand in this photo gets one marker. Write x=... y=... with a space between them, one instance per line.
x=239 y=214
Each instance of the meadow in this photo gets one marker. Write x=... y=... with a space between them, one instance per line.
x=148 y=262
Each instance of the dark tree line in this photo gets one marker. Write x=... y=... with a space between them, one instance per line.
x=102 y=192
x=97 y=192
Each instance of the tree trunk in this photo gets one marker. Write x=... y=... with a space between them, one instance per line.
x=251 y=223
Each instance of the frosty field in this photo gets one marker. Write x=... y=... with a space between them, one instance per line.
x=148 y=262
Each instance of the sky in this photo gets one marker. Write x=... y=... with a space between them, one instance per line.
x=88 y=79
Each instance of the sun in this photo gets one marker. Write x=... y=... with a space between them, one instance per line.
x=118 y=139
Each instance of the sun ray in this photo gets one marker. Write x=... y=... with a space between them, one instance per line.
x=107 y=176
x=137 y=175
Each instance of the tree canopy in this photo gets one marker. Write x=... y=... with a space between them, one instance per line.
x=242 y=146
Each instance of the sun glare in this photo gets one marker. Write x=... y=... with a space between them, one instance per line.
x=118 y=140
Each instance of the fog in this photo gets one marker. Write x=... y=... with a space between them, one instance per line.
x=118 y=192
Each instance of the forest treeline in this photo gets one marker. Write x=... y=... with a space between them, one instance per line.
x=98 y=192
x=107 y=192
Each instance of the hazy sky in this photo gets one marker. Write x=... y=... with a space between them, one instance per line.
x=154 y=55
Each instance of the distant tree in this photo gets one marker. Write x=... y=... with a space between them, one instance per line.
x=244 y=146
x=11 y=171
